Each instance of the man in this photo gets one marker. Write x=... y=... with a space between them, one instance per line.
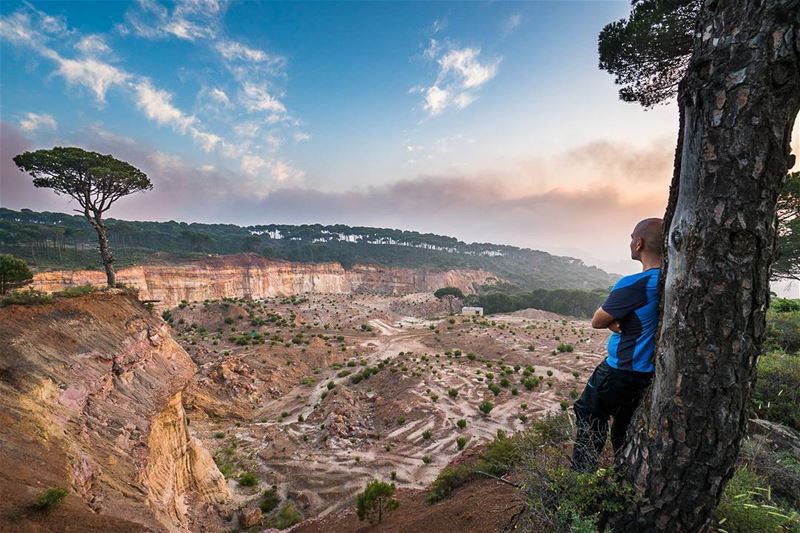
x=618 y=383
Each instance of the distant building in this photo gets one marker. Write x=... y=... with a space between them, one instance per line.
x=472 y=311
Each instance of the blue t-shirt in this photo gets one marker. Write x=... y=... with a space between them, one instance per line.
x=633 y=302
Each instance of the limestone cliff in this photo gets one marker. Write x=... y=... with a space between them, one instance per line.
x=90 y=396
x=255 y=276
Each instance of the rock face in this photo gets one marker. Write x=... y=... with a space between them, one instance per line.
x=90 y=391
x=249 y=275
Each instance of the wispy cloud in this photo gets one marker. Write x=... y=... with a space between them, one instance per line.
x=188 y=20
x=34 y=121
x=461 y=73
x=511 y=24
x=197 y=20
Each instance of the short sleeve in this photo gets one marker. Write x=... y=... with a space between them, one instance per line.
x=626 y=298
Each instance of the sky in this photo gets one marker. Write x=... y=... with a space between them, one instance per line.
x=486 y=121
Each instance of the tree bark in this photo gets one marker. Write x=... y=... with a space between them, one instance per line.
x=105 y=252
x=739 y=101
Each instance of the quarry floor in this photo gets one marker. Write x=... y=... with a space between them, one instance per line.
x=275 y=395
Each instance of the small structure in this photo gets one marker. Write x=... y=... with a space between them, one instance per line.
x=472 y=311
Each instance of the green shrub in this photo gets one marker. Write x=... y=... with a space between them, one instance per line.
x=426 y=459
x=453 y=393
x=426 y=435
x=746 y=505
x=26 y=297
x=565 y=347
x=449 y=479
x=375 y=501
x=499 y=455
x=78 y=290
x=49 y=498
x=461 y=423
x=288 y=516
x=248 y=479
x=269 y=500
x=486 y=407
x=783 y=331
x=461 y=442
x=776 y=395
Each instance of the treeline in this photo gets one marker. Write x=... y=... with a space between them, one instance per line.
x=572 y=302
x=57 y=240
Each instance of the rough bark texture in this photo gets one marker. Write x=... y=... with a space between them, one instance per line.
x=738 y=103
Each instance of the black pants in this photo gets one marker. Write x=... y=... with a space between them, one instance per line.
x=609 y=392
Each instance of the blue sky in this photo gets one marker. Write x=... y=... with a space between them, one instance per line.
x=488 y=121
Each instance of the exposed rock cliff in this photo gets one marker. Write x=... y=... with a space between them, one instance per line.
x=258 y=277
x=90 y=396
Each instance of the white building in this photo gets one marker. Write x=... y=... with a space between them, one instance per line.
x=472 y=311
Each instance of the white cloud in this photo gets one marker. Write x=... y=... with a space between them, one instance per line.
x=252 y=164
x=282 y=172
x=301 y=136
x=219 y=95
x=96 y=75
x=33 y=121
x=157 y=106
x=234 y=50
x=436 y=100
x=189 y=20
x=93 y=44
x=247 y=129
x=257 y=98
x=207 y=141
x=208 y=168
x=461 y=74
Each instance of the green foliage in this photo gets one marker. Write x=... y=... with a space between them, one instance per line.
x=499 y=455
x=449 y=479
x=49 y=498
x=787 y=261
x=14 y=273
x=25 y=297
x=486 y=407
x=288 y=516
x=648 y=53
x=461 y=442
x=784 y=305
x=783 y=331
x=747 y=505
x=375 y=501
x=248 y=479
x=448 y=291
x=776 y=395
x=269 y=500
x=528 y=269
x=573 y=302
x=78 y=290
x=564 y=347
x=461 y=423
x=426 y=435
x=426 y=459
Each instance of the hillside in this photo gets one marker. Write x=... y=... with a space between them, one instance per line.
x=60 y=241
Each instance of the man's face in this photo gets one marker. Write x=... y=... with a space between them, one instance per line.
x=636 y=247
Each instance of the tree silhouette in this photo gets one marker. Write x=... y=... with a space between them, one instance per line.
x=95 y=180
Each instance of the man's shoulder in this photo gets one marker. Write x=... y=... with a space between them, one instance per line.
x=640 y=278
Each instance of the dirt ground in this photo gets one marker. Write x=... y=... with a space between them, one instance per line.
x=316 y=396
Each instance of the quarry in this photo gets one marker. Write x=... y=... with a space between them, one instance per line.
x=181 y=414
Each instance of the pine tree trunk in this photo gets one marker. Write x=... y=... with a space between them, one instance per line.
x=105 y=252
x=739 y=101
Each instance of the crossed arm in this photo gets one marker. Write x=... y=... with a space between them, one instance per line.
x=603 y=320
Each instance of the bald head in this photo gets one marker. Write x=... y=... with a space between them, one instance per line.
x=649 y=230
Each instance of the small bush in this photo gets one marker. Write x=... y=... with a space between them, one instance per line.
x=449 y=479
x=461 y=442
x=426 y=435
x=426 y=459
x=746 y=505
x=375 y=501
x=26 y=297
x=269 y=500
x=783 y=331
x=288 y=516
x=461 y=423
x=78 y=290
x=776 y=395
x=49 y=498
x=565 y=347
x=486 y=407
x=248 y=479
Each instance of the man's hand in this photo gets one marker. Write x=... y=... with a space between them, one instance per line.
x=601 y=319
x=615 y=327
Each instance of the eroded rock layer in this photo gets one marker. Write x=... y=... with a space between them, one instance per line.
x=90 y=396
x=249 y=275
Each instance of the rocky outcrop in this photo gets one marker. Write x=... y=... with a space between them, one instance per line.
x=90 y=388
x=249 y=275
